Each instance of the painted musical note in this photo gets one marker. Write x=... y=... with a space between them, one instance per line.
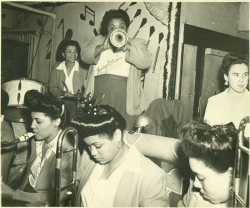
x=48 y=53
x=91 y=12
x=133 y=3
x=62 y=23
x=121 y=5
x=157 y=52
x=143 y=22
x=151 y=31
x=138 y=12
x=69 y=34
x=95 y=32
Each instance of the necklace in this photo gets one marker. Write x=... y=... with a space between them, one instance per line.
x=107 y=174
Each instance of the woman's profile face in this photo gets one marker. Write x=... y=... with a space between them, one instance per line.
x=115 y=24
x=214 y=187
x=43 y=126
x=102 y=148
x=70 y=54
x=237 y=77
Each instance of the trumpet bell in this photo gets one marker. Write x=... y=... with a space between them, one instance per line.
x=118 y=38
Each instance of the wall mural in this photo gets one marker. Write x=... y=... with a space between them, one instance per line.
x=157 y=23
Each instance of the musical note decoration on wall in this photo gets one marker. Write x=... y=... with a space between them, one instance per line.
x=138 y=12
x=133 y=3
x=151 y=31
x=26 y=15
x=48 y=53
x=121 y=5
x=39 y=21
x=62 y=23
x=90 y=12
x=143 y=22
x=69 y=34
x=157 y=52
x=95 y=32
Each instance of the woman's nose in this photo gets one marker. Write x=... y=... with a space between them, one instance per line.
x=197 y=183
x=241 y=78
x=33 y=125
x=93 y=151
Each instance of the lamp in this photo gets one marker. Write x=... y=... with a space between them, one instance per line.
x=142 y=120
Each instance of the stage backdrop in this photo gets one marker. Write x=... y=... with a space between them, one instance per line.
x=155 y=22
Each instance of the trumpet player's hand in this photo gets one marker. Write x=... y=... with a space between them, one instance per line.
x=106 y=45
x=124 y=48
x=7 y=192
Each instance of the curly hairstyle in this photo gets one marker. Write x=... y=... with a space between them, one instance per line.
x=214 y=145
x=113 y=14
x=62 y=47
x=233 y=58
x=51 y=106
x=98 y=120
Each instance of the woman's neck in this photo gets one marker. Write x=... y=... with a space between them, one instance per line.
x=232 y=94
x=69 y=66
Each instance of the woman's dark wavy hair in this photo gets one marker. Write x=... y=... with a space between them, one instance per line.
x=62 y=47
x=214 y=145
x=47 y=104
x=113 y=14
x=233 y=58
x=103 y=121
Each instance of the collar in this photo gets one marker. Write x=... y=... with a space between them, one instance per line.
x=62 y=66
x=132 y=162
x=52 y=144
x=2 y=118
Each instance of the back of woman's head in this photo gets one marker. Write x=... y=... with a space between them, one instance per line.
x=233 y=58
x=4 y=100
x=214 y=145
x=62 y=47
x=51 y=106
x=98 y=120
x=113 y=14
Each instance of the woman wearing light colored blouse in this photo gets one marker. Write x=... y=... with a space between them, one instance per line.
x=70 y=70
x=37 y=188
x=114 y=75
x=113 y=173
x=233 y=104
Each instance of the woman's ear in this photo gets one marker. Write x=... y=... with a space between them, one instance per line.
x=226 y=77
x=63 y=54
x=117 y=135
x=57 y=122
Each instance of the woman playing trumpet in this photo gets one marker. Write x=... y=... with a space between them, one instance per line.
x=114 y=75
x=48 y=119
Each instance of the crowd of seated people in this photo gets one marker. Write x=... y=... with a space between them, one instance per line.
x=110 y=171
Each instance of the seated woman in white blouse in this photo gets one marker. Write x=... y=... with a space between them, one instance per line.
x=233 y=104
x=112 y=173
x=69 y=70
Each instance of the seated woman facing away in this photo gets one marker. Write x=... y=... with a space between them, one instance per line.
x=233 y=104
x=211 y=152
x=48 y=120
x=112 y=173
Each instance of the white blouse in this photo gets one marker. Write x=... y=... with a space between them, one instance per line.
x=69 y=79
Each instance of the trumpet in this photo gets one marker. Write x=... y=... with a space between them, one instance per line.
x=118 y=38
x=23 y=138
